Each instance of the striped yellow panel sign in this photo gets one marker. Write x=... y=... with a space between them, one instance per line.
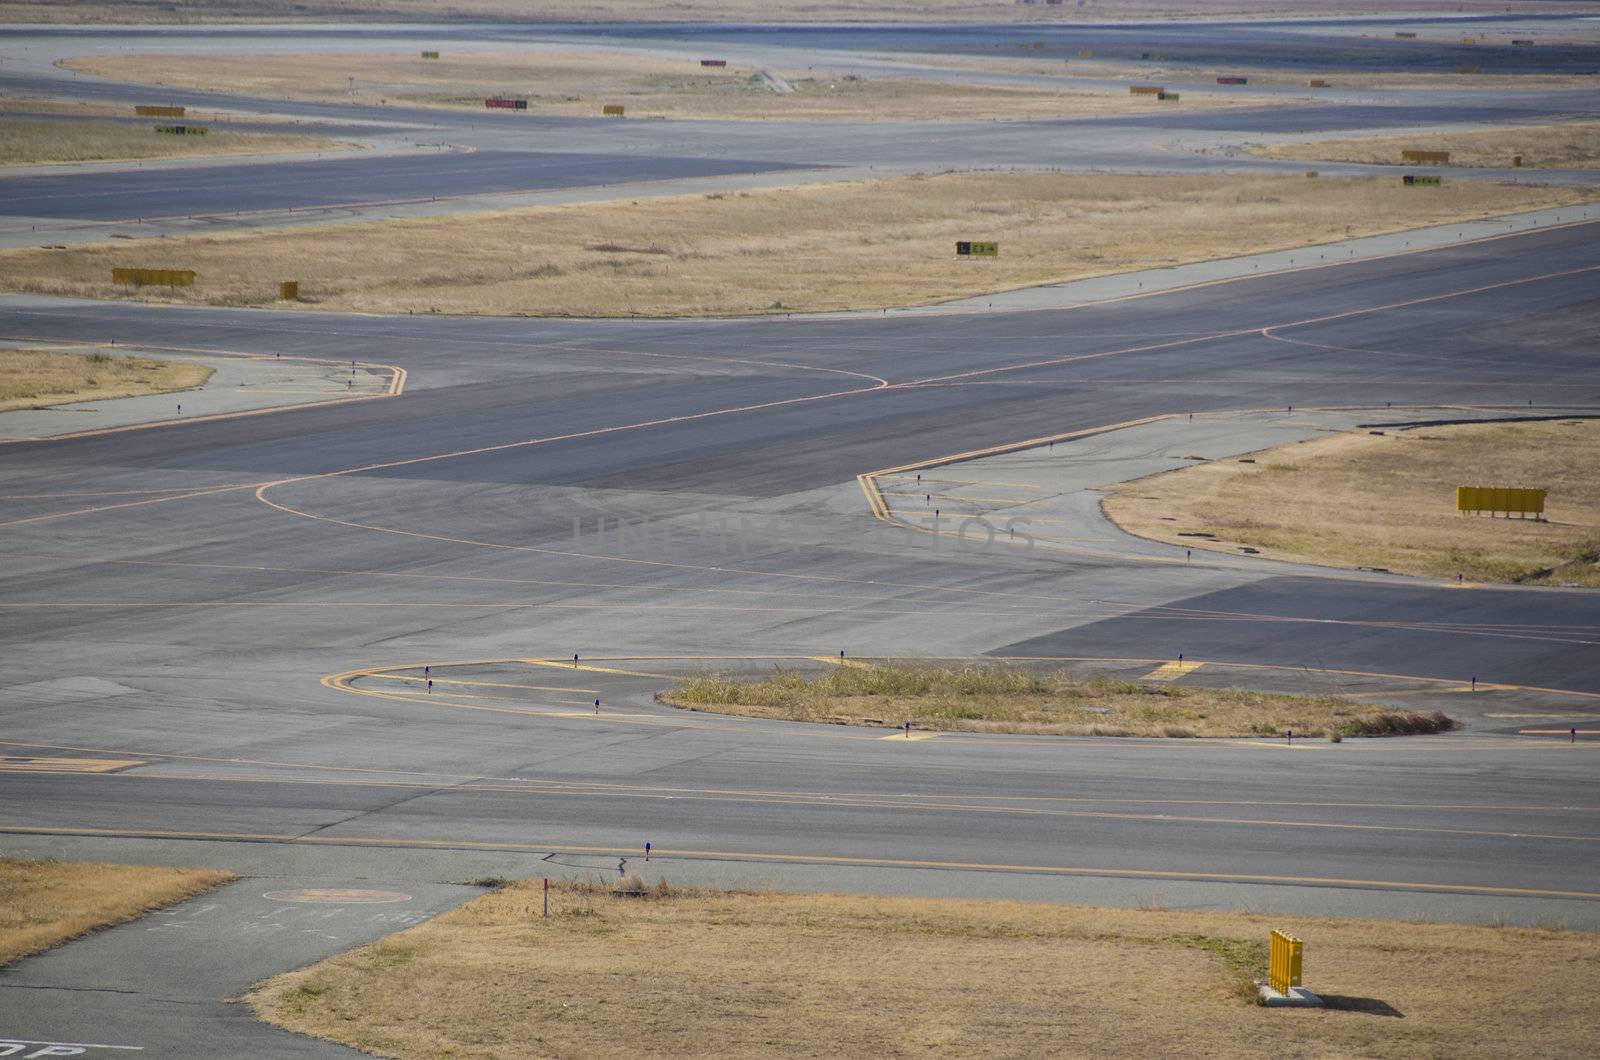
x=146 y=111
x=1316 y=83
x=1284 y=957
x=35 y=764
x=154 y=277
x=1500 y=499
x=1145 y=90
x=613 y=110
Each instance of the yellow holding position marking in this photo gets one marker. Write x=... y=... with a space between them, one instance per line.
x=1171 y=671
x=33 y=764
x=561 y=664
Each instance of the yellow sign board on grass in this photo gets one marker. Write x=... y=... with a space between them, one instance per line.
x=968 y=248
x=1283 y=962
x=1492 y=499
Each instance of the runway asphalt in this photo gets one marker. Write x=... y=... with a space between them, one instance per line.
x=513 y=153
x=239 y=606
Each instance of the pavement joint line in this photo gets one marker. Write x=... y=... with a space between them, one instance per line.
x=822 y=859
x=564 y=583
x=468 y=781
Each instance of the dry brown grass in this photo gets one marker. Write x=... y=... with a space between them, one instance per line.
x=847 y=245
x=1571 y=145
x=993 y=698
x=23 y=141
x=45 y=903
x=37 y=378
x=1154 y=72
x=52 y=107
x=578 y=83
x=675 y=972
x=1364 y=500
x=719 y=10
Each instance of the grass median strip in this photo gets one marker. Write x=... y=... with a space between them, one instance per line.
x=994 y=698
x=45 y=902
x=40 y=378
x=1569 y=145
x=1388 y=500
x=577 y=82
x=655 y=970
x=838 y=245
x=44 y=141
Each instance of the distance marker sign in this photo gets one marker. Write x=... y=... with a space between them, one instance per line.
x=967 y=248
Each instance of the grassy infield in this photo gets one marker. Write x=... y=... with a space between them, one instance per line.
x=1388 y=500
x=45 y=903
x=845 y=245
x=34 y=378
x=43 y=141
x=1573 y=145
x=577 y=82
x=672 y=972
x=995 y=698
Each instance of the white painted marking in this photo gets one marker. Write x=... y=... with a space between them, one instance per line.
x=17 y=1047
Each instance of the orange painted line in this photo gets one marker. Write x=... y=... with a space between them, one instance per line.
x=125 y=504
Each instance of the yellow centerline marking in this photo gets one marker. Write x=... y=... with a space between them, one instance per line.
x=933 y=799
x=419 y=679
x=564 y=665
x=323 y=839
